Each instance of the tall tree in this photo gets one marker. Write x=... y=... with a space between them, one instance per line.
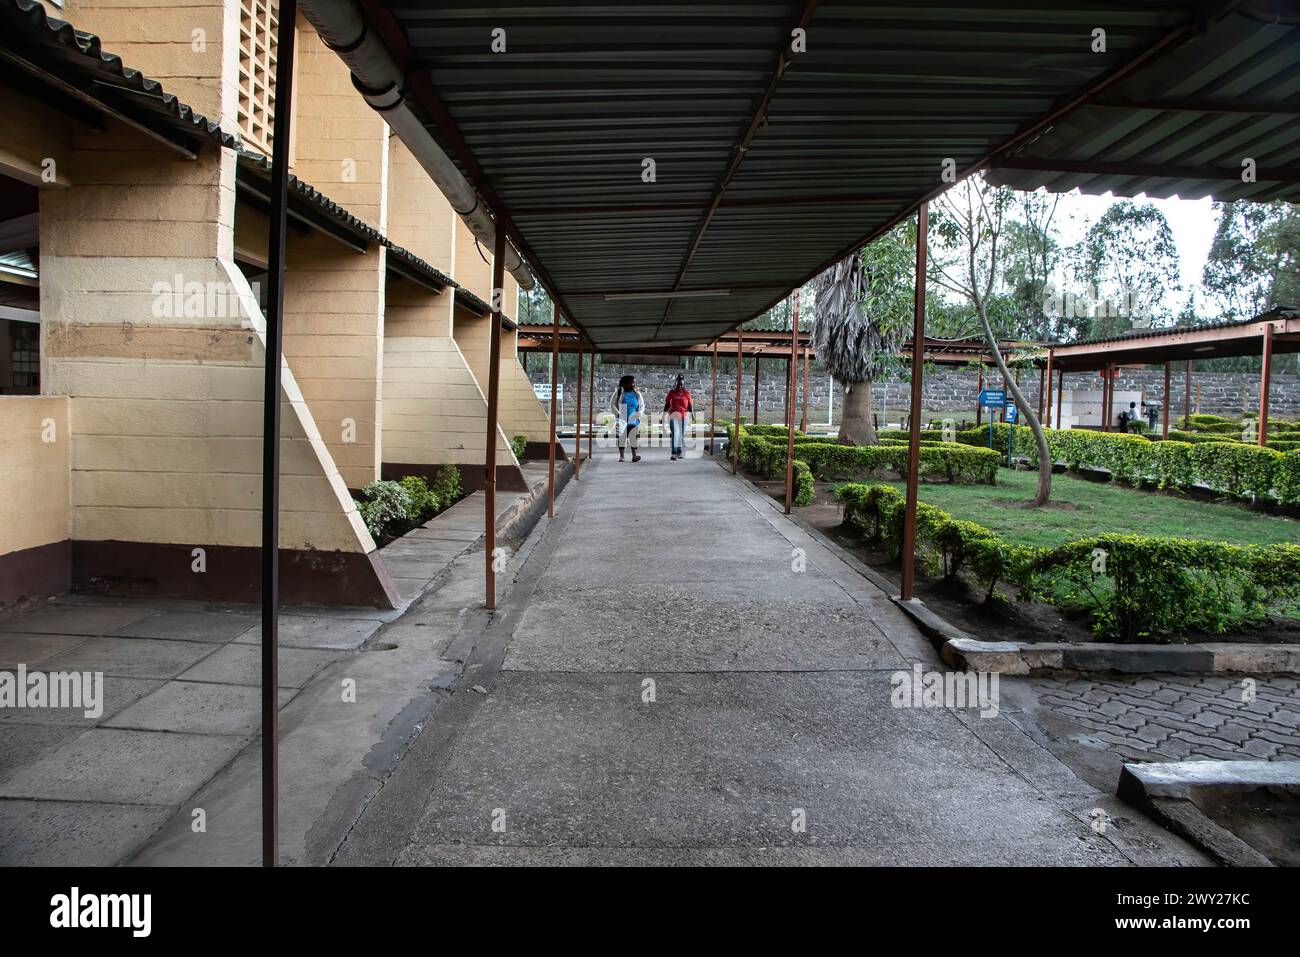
x=862 y=309
x=1254 y=259
x=969 y=223
x=1130 y=263
x=1032 y=256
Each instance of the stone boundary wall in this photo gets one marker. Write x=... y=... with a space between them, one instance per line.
x=948 y=390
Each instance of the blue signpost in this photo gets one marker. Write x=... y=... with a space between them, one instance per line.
x=1011 y=429
x=992 y=399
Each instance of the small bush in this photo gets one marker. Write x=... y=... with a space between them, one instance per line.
x=519 y=445
x=424 y=501
x=1133 y=587
x=446 y=485
x=803 y=484
x=382 y=504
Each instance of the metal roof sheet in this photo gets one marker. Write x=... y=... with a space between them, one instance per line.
x=78 y=58
x=848 y=140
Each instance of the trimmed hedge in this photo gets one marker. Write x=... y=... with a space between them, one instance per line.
x=803 y=484
x=1134 y=587
x=830 y=461
x=1231 y=468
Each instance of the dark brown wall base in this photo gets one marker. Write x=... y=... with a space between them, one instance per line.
x=37 y=572
x=234 y=573
x=541 y=451
x=510 y=478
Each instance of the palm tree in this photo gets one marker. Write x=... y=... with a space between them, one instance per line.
x=862 y=310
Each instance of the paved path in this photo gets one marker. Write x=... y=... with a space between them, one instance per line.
x=1097 y=722
x=679 y=674
x=179 y=728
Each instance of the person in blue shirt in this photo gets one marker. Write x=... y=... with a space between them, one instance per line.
x=628 y=405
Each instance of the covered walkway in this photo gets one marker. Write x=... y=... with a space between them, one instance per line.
x=679 y=673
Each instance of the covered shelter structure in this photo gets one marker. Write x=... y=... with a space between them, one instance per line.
x=1273 y=332
x=668 y=173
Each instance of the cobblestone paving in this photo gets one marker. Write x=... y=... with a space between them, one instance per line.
x=1178 y=717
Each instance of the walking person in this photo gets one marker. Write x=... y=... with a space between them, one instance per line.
x=628 y=405
x=678 y=409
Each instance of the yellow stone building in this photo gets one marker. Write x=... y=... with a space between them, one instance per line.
x=133 y=232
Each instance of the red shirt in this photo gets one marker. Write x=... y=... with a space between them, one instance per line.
x=679 y=401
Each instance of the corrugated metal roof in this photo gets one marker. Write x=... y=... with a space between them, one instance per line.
x=558 y=128
x=363 y=233
x=80 y=60
x=1228 y=94
x=77 y=58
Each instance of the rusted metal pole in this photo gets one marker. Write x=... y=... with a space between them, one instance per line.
x=493 y=397
x=271 y=383
x=1042 y=378
x=1264 y=375
x=1187 y=395
x=577 y=427
x=591 y=403
x=914 y=439
x=1164 y=427
x=792 y=365
x=740 y=366
x=1105 y=398
x=758 y=362
x=979 y=408
x=803 y=419
x=713 y=398
x=555 y=372
x=1045 y=409
x=1060 y=397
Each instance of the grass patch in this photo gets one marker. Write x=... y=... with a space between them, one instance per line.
x=1083 y=509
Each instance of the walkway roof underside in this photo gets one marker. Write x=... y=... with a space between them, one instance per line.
x=1175 y=345
x=764 y=174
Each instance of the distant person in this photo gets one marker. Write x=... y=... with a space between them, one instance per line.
x=678 y=409
x=628 y=405
x=1152 y=413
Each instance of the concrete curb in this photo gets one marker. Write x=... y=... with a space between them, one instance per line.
x=1022 y=658
x=518 y=520
x=1172 y=794
x=960 y=650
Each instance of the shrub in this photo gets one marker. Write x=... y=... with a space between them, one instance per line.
x=446 y=486
x=1219 y=462
x=518 y=445
x=424 y=501
x=1180 y=435
x=382 y=504
x=1133 y=587
x=803 y=484
x=1235 y=468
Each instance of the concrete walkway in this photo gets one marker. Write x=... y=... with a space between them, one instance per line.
x=178 y=736
x=679 y=674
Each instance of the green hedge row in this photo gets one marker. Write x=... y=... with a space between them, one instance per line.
x=1229 y=468
x=830 y=461
x=1134 y=587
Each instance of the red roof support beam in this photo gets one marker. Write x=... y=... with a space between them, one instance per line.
x=908 y=551
x=784 y=59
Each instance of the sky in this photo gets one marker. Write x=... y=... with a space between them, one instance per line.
x=1192 y=222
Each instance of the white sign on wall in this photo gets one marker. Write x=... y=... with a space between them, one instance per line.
x=543 y=391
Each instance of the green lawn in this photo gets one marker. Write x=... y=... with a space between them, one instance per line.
x=1101 y=508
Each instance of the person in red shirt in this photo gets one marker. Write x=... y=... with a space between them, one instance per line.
x=678 y=409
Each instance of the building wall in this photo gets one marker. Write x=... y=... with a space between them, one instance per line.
x=190 y=46
x=334 y=296
x=435 y=411
x=35 y=508
x=165 y=395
